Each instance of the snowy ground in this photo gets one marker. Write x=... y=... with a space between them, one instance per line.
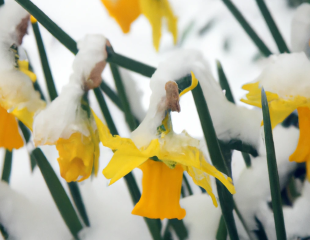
x=109 y=208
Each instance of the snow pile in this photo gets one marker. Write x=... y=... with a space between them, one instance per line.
x=252 y=187
x=300 y=29
x=287 y=75
x=230 y=121
x=67 y=107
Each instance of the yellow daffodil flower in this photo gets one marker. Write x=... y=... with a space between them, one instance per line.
x=11 y=106
x=78 y=156
x=281 y=107
x=162 y=162
x=126 y=11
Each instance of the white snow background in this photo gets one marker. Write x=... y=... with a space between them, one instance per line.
x=27 y=206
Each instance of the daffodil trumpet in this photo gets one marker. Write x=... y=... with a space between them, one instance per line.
x=125 y=12
x=291 y=93
x=162 y=162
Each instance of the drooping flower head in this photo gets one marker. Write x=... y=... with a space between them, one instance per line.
x=159 y=152
x=18 y=98
x=67 y=122
x=286 y=81
x=127 y=11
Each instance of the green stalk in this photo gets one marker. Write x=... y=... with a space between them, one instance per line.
x=1 y=2
x=272 y=27
x=7 y=166
x=4 y=233
x=221 y=233
x=52 y=91
x=247 y=28
x=58 y=193
x=273 y=172
x=190 y=192
x=226 y=200
x=225 y=86
x=131 y=183
x=123 y=97
x=248 y=231
x=44 y=62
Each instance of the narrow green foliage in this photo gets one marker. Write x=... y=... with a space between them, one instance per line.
x=224 y=82
x=129 y=64
x=1 y=2
x=247 y=159
x=186 y=32
x=250 y=234
x=26 y=132
x=58 y=193
x=247 y=28
x=44 y=62
x=226 y=200
x=272 y=26
x=131 y=183
x=225 y=86
x=221 y=233
x=190 y=191
x=7 y=166
x=207 y=27
x=50 y=26
x=37 y=87
x=273 y=172
x=77 y=198
x=4 y=233
x=179 y=228
x=123 y=97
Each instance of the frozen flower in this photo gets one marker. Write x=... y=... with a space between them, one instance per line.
x=126 y=11
x=162 y=161
x=67 y=122
x=286 y=82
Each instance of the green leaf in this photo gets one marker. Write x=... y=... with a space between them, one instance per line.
x=7 y=166
x=123 y=97
x=1 y=2
x=179 y=228
x=4 y=233
x=273 y=172
x=221 y=233
x=226 y=200
x=58 y=193
x=247 y=28
x=272 y=27
x=44 y=62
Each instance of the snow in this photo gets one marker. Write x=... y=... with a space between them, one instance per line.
x=67 y=107
x=109 y=208
x=287 y=75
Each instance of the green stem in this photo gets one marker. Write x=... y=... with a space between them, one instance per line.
x=272 y=27
x=1 y=2
x=247 y=28
x=273 y=172
x=190 y=192
x=7 y=166
x=44 y=62
x=226 y=200
x=123 y=97
x=4 y=233
x=131 y=183
x=246 y=228
x=221 y=233
x=58 y=193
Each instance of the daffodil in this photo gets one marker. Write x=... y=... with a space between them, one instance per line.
x=286 y=83
x=67 y=122
x=162 y=161
x=18 y=99
x=126 y=11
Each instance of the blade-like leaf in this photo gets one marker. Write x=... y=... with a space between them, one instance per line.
x=272 y=26
x=273 y=171
x=7 y=166
x=221 y=233
x=247 y=28
x=58 y=193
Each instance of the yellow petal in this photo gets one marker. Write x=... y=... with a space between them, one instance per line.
x=202 y=179
x=161 y=190
x=127 y=158
x=302 y=152
x=9 y=135
x=192 y=86
x=123 y=11
x=154 y=11
x=76 y=156
x=25 y=116
x=24 y=67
